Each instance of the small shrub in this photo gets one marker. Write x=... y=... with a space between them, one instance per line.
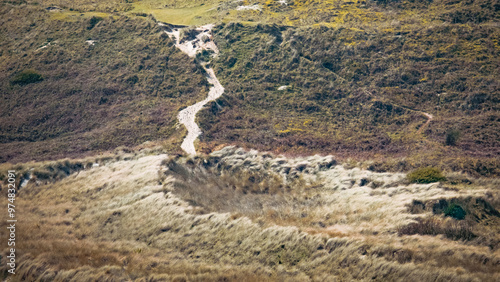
x=416 y=207
x=204 y=55
x=452 y=137
x=26 y=77
x=426 y=175
x=93 y=21
x=455 y=211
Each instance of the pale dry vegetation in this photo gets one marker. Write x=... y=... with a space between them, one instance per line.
x=357 y=77
x=238 y=216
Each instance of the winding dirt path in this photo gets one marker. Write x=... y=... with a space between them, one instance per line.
x=187 y=117
x=429 y=119
x=203 y=41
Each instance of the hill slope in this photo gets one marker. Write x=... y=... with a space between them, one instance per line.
x=357 y=79
x=373 y=89
x=140 y=216
x=124 y=87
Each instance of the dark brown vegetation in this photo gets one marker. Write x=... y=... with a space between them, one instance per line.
x=360 y=76
x=426 y=175
x=359 y=92
x=359 y=85
x=473 y=220
x=125 y=89
x=213 y=186
x=26 y=77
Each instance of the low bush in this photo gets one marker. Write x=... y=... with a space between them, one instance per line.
x=339 y=102
x=455 y=211
x=59 y=122
x=426 y=175
x=452 y=137
x=189 y=34
x=93 y=21
x=26 y=77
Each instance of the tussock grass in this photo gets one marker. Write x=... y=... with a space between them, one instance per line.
x=124 y=221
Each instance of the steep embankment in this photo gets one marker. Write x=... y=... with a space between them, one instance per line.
x=196 y=40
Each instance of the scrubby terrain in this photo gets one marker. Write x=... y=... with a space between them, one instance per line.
x=364 y=83
x=238 y=215
x=291 y=140
x=105 y=82
x=377 y=80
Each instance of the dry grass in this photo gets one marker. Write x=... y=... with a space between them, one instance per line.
x=124 y=221
x=434 y=226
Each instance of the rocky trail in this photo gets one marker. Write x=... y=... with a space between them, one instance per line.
x=429 y=119
x=202 y=41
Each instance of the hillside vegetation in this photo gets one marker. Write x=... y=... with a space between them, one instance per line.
x=363 y=140
x=103 y=82
x=403 y=84
x=364 y=89
x=240 y=215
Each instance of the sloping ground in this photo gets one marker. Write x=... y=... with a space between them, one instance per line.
x=349 y=78
x=106 y=82
x=360 y=93
x=123 y=220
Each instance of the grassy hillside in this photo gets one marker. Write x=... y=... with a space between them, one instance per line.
x=359 y=79
x=124 y=87
x=364 y=88
x=244 y=216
